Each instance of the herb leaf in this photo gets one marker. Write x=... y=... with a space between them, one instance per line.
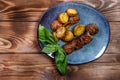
x=51 y=46
x=61 y=60
x=49 y=49
x=45 y=36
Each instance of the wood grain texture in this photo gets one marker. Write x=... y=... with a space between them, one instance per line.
x=41 y=67
x=21 y=57
x=27 y=10
x=18 y=37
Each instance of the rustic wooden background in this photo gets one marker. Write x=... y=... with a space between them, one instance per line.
x=20 y=56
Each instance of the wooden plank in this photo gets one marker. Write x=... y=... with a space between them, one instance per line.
x=25 y=10
x=22 y=37
x=29 y=10
x=114 y=46
x=41 y=67
x=108 y=58
x=42 y=59
x=18 y=37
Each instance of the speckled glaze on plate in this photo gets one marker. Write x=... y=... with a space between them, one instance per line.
x=87 y=14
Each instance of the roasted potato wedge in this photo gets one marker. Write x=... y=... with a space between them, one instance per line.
x=67 y=26
x=60 y=32
x=71 y=12
x=55 y=25
x=74 y=19
x=68 y=36
x=79 y=29
x=54 y=34
x=63 y=17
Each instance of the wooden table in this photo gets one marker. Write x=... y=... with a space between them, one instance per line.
x=20 y=56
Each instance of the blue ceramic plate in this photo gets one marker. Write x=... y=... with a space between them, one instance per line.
x=87 y=14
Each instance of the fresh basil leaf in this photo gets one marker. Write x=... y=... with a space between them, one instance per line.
x=45 y=36
x=61 y=61
x=49 y=49
x=51 y=46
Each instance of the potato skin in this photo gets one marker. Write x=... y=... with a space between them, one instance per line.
x=60 y=32
x=74 y=19
x=63 y=17
x=72 y=12
x=68 y=26
x=79 y=29
x=55 y=25
x=68 y=36
x=54 y=34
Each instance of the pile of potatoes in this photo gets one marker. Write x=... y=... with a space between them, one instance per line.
x=64 y=21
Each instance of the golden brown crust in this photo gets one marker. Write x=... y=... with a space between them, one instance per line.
x=60 y=32
x=55 y=36
x=63 y=17
x=68 y=36
x=74 y=19
x=71 y=12
x=55 y=25
x=79 y=29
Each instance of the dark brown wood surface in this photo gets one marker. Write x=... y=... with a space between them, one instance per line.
x=21 y=57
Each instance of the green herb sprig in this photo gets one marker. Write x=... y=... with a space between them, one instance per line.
x=51 y=46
